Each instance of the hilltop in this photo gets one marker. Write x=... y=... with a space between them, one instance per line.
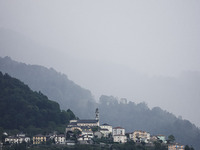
x=55 y=85
x=27 y=111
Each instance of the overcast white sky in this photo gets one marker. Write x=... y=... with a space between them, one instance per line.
x=102 y=45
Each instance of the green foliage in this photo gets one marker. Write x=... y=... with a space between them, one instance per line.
x=95 y=128
x=188 y=148
x=159 y=146
x=76 y=134
x=31 y=112
x=21 y=146
x=55 y=85
x=171 y=139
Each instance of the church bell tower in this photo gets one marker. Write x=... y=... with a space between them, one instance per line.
x=97 y=114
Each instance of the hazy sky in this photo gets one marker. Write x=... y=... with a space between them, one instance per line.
x=107 y=46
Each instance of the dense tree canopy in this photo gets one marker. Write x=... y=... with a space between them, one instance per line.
x=55 y=85
x=21 y=108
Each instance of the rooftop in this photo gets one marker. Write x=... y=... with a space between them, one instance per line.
x=87 y=121
x=105 y=124
x=39 y=135
x=118 y=128
x=104 y=129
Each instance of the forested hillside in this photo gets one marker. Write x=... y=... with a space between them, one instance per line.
x=133 y=116
x=28 y=111
x=129 y=115
x=53 y=84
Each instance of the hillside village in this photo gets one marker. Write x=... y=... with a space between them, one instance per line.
x=91 y=132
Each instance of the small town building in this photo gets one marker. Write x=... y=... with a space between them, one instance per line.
x=176 y=146
x=119 y=135
x=120 y=138
x=88 y=133
x=118 y=131
x=105 y=132
x=39 y=139
x=79 y=124
x=90 y=123
x=19 y=138
x=85 y=139
x=12 y=139
x=162 y=138
x=140 y=136
x=106 y=126
x=153 y=139
x=60 y=139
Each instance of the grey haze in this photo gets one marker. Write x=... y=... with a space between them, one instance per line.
x=142 y=50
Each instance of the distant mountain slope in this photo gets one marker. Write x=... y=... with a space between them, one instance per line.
x=25 y=110
x=129 y=115
x=53 y=84
x=133 y=116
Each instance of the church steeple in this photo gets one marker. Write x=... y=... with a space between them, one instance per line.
x=97 y=114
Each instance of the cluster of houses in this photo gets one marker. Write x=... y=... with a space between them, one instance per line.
x=84 y=131
x=19 y=138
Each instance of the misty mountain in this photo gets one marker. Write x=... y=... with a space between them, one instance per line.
x=116 y=112
x=55 y=85
x=109 y=78
x=28 y=111
x=156 y=121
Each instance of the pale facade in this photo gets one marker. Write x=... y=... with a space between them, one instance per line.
x=90 y=123
x=120 y=138
x=119 y=135
x=60 y=139
x=162 y=138
x=85 y=137
x=39 y=139
x=118 y=131
x=106 y=126
x=105 y=132
x=88 y=133
x=17 y=139
x=86 y=122
x=12 y=139
x=80 y=123
x=140 y=136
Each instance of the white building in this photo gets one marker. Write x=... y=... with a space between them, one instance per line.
x=119 y=135
x=17 y=139
x=88 y=134
x=140 y=136
x=106 y=126
x=118 y=131
x=120 y=138
x=162 y=138
x=105 y=132
x=78 y=124
x=60 y=139
x=85 y=139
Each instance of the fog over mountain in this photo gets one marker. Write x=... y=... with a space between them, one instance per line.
x=141 y=50
x=116 y=112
